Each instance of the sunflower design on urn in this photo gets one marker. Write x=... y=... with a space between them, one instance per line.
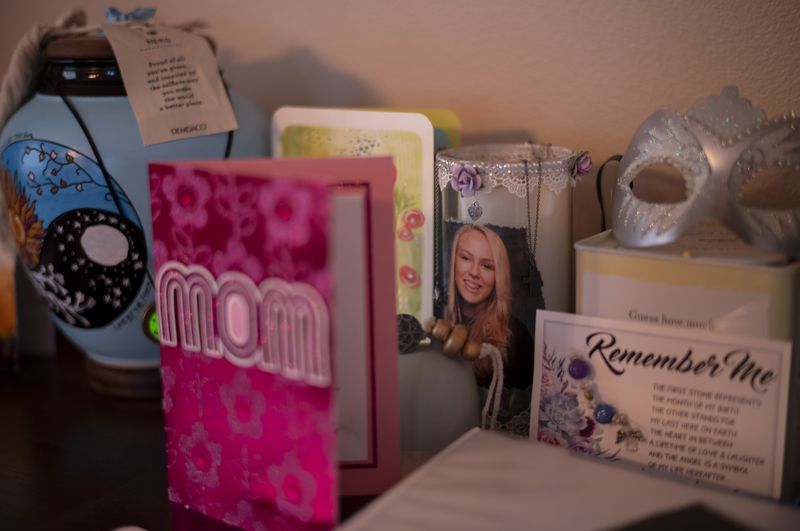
x=25 y=224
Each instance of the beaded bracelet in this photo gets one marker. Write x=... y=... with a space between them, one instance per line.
x=455 y=339
x=456 y=342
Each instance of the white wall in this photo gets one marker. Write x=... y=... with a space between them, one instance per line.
x=579 y=73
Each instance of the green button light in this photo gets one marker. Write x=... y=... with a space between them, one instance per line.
x=153 y=326
x=150 y=323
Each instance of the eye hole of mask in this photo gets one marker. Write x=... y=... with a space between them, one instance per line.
x=772 y=189
x=660 y=183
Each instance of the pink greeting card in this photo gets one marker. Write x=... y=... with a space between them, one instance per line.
x=366 y=338
x=259 y=374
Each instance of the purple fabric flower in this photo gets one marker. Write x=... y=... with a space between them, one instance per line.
x=581 y=164
x=465 y=180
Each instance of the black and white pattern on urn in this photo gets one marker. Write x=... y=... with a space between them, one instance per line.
x=92 y=265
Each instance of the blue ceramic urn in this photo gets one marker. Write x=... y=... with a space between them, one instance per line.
x=75 y=185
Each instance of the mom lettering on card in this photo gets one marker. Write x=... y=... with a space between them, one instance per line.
x=279 y=327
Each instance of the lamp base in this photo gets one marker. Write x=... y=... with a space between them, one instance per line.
x=139 y=383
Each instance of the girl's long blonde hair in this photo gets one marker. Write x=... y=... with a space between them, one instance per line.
x=490 y=322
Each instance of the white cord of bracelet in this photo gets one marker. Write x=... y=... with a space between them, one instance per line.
x=495 y=394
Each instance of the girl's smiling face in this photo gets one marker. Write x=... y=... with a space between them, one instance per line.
x=475 y=268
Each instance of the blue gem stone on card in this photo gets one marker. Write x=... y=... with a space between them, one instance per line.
x=604 y=413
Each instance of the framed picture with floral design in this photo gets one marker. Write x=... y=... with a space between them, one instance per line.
x=407 y=137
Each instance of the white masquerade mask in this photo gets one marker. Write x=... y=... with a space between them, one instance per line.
x=722 y=148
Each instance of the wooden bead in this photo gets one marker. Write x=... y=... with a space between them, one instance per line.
x=455 y=341
x=471 y=350
x=441 y=329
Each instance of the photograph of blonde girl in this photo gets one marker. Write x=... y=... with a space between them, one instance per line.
x=479 y=295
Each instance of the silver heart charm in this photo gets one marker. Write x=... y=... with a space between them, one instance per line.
x=475 y=211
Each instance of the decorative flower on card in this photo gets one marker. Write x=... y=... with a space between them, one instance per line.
x=172 y=446
x=465 y=179
x=245 y=406
x=404 y=234
x=563 y=419
x=202 y=457
x=160 y=252
x=187 y=194
x=409 y=276
x=288 y=210
x=562 y=412
x=174 y=496
x=550 y=384
x=294 y=488
x=244 y=517
x=236 y=257
x=413 y=218
x=588 y=431
x=168 y=382
x=546 y=435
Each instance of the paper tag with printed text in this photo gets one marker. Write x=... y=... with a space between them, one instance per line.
x=172 y=81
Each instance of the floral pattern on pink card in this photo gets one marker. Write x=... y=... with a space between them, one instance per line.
x=246 y=444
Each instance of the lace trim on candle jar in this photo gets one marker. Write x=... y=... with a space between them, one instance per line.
x=510 y=166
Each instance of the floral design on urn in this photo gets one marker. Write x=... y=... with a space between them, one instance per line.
x=76 y=230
